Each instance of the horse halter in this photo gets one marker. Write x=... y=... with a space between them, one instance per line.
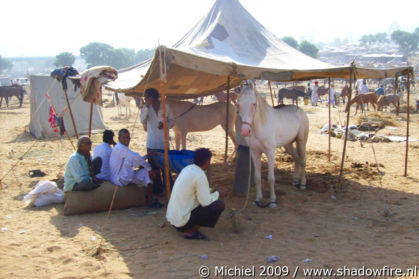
x=253 y=111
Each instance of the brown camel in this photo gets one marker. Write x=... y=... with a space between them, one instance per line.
x=362 y=99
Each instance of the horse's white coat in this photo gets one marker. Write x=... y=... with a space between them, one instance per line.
x=266 y=129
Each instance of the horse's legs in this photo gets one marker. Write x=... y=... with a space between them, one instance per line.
x=258 y=179
x=271 y=173
x=1 y=101
x=301 y=149
x=184 y=133
x=177 y=138
x=293 y=152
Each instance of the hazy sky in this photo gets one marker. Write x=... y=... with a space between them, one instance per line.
x=47 y=27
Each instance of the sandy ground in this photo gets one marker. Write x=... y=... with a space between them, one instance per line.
x=373 y=221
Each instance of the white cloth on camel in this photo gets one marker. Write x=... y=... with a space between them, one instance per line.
x=122 y=164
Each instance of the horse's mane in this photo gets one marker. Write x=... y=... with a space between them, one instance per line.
x=261 y=107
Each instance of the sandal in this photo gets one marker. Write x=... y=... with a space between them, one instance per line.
x=197 y=235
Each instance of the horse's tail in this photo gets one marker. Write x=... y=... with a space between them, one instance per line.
x=21 y=93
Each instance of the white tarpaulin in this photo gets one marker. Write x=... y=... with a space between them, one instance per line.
x=228 y=41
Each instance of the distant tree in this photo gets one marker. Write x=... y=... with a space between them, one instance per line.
x=308 y=48
x=408 y=42
x=143 y=54
x=5 y=64
x=122 y=58
x=373 y=38
x=291 y=41
x=64 y=59
x=96 y=54
x=381 y=37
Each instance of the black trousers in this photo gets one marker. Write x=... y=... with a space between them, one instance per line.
x=90 y=185
x=204 y=216
x=159 y=184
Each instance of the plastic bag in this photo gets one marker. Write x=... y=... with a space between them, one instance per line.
x=45 y=192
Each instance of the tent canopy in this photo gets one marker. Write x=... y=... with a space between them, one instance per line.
x=229 y=41
x=39 y=125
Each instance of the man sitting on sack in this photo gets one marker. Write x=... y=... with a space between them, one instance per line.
x=127 y=166
x=80 y=171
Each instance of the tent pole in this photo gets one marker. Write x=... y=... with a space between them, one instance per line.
x=227 y=117
x=407 y=124
x=65 y=131
x=166 y=147
x=71 y=114
x=346 y=131
x=90 y=119
x=330 y=94
x=270 y=90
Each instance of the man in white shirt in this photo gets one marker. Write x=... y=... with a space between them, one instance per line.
x=364 y=87
x=104 y=151
x=191 y=203
x=152 y=119
x=315 y=94
x=122 y=163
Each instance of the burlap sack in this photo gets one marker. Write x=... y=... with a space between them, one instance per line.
x=99 y=199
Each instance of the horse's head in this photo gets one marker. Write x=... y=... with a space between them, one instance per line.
x=247 y=105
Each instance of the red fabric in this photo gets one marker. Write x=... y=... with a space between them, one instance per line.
x=52 y=121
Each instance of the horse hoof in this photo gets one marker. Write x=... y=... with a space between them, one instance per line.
x=303 y=187
x=272 y=204
x=295 y=184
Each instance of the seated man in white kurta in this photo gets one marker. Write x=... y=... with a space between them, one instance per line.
x=123 y=162
x=104 y=151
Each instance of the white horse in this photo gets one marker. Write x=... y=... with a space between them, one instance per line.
x=188 y=117
x=123 y=100
x=267 y=128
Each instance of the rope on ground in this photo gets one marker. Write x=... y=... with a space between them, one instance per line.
x=20 y=158
x=387 y=209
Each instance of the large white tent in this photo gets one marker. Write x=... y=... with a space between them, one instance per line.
x=230 y=42
x=39 y=125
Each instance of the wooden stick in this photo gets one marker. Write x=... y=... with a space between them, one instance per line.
x=71 y=114
x=270 y=90
x=227 y=117
x=346 y=131
x=407 y=124
x=166 y=136
x=330 y=128
x=65 y=131
x=90 y=119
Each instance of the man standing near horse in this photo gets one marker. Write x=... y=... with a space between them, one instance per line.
x=151 y=117
x=80 y=171
x=191 y=203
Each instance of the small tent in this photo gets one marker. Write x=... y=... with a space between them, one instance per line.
x=40 y=106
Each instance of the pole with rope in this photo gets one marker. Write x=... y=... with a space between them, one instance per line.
x=330 y=128
x=346 y=129
x=165 y=131
x=270 y=90
x=407 y=124
x=227 y=117
x=71 y=114
x=55 y=111
x=90 y=119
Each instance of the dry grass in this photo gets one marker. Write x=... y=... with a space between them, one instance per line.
x=384 y=118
